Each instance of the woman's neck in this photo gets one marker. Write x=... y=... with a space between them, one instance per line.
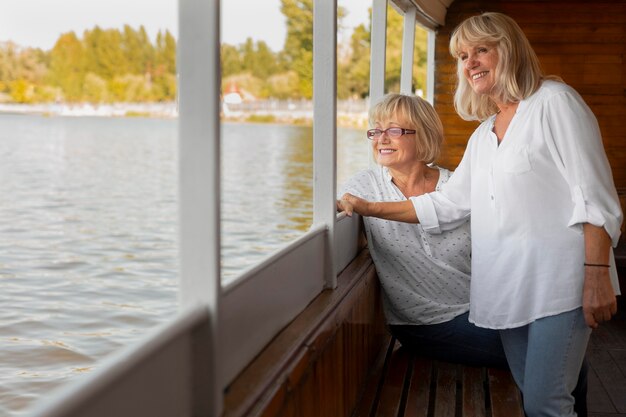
x=503 y=118
x=415 y=180
x=506 y=108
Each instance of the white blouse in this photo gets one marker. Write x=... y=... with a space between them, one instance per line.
x=528 y=199
x=425 y=278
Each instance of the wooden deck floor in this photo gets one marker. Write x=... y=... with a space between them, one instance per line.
x=607 y=375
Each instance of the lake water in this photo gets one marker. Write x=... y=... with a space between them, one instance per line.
x=88 y=232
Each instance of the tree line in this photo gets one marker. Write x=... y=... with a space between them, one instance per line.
x=103 y=66
x=112 y=65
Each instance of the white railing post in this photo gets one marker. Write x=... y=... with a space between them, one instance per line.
x=324 y=126
x=408 y=46
x=378 y=50
x=378 y=53
x=199 y=167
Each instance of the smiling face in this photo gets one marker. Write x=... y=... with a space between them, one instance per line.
x=479 y=67
x=394 y=153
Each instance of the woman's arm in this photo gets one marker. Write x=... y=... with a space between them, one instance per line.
x=401 y=211
x=599 y=302
x=573 y=138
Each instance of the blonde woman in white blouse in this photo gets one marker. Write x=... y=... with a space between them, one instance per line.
x=544 y=210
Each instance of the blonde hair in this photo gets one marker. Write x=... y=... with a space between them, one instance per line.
x=518 y=73
x=419 y=115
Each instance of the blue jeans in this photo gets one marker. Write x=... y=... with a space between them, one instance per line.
x=545 y=358
x=456 y=341
x=459 y=341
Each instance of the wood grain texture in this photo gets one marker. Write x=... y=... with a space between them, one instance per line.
x=473 y=392
x=504 y=395
x=319 y=364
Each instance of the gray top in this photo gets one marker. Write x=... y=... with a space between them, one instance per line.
x=425 y=278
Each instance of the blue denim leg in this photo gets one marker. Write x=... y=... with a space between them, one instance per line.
x=545 y=358
x=457 y=341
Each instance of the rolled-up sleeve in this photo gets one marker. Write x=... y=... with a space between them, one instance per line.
x=573 y=137
x=449 y=207
x=426 y=213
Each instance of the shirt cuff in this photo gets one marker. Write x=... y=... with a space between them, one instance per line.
x=586 y=213
x=425 y=211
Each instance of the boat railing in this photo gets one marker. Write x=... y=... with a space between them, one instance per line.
x=167 y=374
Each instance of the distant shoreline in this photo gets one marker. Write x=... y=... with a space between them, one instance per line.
x=162 y=110
x=169 y=110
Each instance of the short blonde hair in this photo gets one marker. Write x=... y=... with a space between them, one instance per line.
x=419 y=115
x=518 y=73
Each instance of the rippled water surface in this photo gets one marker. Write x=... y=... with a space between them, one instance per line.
x=88 y=234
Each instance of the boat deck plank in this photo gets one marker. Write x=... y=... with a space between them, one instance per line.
x=407 y=385
x=606 y=396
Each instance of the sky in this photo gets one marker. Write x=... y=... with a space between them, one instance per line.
x=38 y=23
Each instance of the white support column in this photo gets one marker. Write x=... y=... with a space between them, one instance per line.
x=324 y=126
x=408 y=44
x=430 y=68
x=199 y=167
x=378 y=51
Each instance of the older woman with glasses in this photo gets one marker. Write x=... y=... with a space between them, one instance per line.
x=425 y=278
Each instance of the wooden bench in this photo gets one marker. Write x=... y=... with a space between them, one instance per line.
x=405 y=385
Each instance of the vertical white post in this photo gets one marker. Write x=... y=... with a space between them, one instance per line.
x=199 y=167
x=408 y=44
x=430 y=68
x=324 y=126
x=378 y=50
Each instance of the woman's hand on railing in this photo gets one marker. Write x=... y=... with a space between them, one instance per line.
x=352 y=204
x=400 y=211
x=344 y=205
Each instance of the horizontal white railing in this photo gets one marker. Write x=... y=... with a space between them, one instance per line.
x=166 y=374
x=265 y=299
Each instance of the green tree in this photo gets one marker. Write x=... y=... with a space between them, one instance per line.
x=67 y=66
x=231 y=61
x=104 y=53
x=47 y=94
x=131 y=88
x=25 y=64
x=138 y=51
x=393 y=64
x=32 y=65
x=165 y=53
x=258 y=59
x=9 y=65
x=299 y=42
x=164 y=87
x=22 y=91
x=283 y=85
x=298 y=50
x=95 y=88
x=354 y=72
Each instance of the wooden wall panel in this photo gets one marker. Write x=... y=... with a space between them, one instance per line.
x=318 y=365
x=583 y=42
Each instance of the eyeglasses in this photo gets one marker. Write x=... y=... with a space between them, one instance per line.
x=392 y=132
